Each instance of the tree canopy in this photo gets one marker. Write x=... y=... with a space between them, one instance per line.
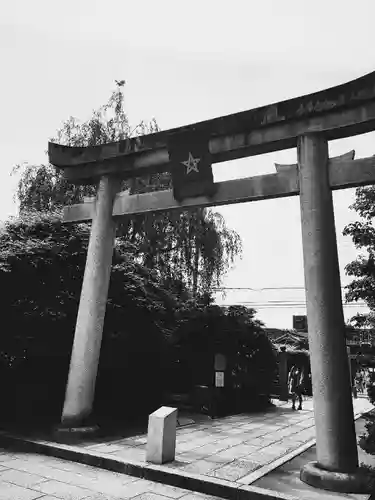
x=41 y=268
x=163 y=271
x=193 y=247
x=362 y=269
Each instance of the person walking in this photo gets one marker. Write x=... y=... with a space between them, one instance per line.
x=296 y=387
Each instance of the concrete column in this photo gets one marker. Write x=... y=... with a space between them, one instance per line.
x=333 y=407
x=89 y=327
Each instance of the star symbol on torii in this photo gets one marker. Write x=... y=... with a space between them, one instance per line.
x=191 y=164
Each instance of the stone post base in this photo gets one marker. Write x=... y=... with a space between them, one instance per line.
x=67 y=434
x=341 y=482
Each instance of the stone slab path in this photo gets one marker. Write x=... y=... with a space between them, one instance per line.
x=286 y=478
x=222 y=457
x=228 y=448
x=232 y=448
x=24 y=476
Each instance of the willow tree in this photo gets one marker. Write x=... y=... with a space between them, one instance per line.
x=189 y=249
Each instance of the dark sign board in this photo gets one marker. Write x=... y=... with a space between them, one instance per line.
x=191 y=166
x=300 y=323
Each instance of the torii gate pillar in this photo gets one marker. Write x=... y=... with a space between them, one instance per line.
x=80 y=388
x=333 y=407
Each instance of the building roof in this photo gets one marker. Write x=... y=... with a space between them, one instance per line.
x=285 y=336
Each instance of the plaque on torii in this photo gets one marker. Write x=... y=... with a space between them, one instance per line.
x=188 y=152
x=191 y=166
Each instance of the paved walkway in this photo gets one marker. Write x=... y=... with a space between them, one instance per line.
x=231 y=448
x=227 y=448
x=222 y=457
x=24 y=476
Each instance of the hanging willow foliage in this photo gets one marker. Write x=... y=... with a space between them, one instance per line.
x=193 y=247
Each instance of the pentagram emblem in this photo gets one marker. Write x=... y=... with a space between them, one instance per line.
x=191 y=164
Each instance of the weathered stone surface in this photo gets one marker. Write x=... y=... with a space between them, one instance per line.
x=333 y=406
x=173 y=473
x=356 y=482
x=343 y=173
x=233 y=191
x=202 y=466
x=90 y=319
x=233 y=136
x=235 y=470
x=161 y=435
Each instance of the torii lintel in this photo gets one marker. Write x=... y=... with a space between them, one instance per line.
x=337 y=112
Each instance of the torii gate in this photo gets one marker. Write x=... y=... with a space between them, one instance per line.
x=306 y=122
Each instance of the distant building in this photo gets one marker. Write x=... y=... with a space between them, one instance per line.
x=300 y=323
x=274 y=333
x=360 y=341
x=286 y=337
x=357 y=337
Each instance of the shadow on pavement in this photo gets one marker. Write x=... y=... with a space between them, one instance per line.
x=286 y=478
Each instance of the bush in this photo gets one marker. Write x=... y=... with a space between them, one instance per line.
x=367 y=440
x=129 y=383
x=369 y=471
x=41 y=268
x=251 y=357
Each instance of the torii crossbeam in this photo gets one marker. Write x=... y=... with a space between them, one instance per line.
x=306 y=122
x=344 y=172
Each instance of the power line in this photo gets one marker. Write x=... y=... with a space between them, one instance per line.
x=287 y=305
x=296 y=301
x=261 y=289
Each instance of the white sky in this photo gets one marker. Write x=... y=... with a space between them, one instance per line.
x=185 y=62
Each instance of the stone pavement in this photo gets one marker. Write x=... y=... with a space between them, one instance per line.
x=228 y=448
x=223 y=457
x=25 y=476
x=286 y=478
x=232 y=448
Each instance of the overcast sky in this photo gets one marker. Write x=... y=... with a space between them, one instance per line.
x=185 y=62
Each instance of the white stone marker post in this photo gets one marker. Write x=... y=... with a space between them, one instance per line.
x=161 y=435
x=83 y=369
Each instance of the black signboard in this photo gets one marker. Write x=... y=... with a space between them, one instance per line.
x=300 y=323
x=191 y=166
